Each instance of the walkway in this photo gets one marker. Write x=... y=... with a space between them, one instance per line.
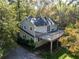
x=21 y=53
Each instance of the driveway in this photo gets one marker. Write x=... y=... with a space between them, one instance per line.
x=21 y=53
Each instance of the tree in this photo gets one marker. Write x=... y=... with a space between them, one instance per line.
x=70 y=39
x=10 y=16
x=8 y=26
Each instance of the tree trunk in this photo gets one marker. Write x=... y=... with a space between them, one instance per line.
x=18 y=11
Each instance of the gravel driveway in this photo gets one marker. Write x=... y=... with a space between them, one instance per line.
x=21 y=53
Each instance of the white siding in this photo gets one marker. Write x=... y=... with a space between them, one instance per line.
x=40 y=43
x=54 y=27
x=22 y=34
x=42 y=29
x=26 y=25
x=28 y=37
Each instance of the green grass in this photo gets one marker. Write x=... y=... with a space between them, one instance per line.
x=61 y=54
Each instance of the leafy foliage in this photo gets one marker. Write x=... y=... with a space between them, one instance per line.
x=70 y=40
x=10 y=16
x=61 y=12
x=8 y=26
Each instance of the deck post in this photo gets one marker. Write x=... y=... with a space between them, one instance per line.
x=51 y=46
x=57 y=44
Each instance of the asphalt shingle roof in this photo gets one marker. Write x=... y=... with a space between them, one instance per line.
x=40 y=21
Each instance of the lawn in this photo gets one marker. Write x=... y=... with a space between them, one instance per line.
x=61 y=54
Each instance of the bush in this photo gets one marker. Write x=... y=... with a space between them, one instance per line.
x=71 y=40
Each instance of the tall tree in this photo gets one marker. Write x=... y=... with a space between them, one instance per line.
x=18 y=10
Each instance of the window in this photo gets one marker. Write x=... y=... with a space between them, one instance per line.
x=24 y=36
x=38 y=39
x=30 y=28
x=21 y=26
x=24 y=27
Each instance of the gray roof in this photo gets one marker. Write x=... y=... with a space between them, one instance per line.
x=40 y=21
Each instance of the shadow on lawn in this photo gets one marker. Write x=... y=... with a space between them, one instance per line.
x=61 y=54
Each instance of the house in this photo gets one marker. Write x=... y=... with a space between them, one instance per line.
x=36 y=31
